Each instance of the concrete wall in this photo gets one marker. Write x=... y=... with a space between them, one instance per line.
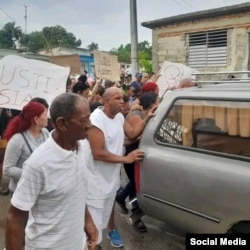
x=170 y=42
x=6 y=52
x=57 y=51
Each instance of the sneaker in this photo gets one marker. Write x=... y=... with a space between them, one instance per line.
x=115 y=238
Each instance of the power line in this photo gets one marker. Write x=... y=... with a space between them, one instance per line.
x=7 y=15
x=185 y=5
x=188 y=4
x=182 y=4
x=13 y=34
x=12 y=30
x=47 y=43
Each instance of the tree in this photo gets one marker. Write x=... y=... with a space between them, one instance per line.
x=58 y=36
x=146 y=48
x=143 y=46
x=144 y=51
x=93 y=46
x=9 y=34
x=124 y=53
x=34 y=41
x=50 y=37
x=144 y=62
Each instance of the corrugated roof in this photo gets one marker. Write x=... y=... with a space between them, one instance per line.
x=227 y=10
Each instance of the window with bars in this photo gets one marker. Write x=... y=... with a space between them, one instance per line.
x=207 y=49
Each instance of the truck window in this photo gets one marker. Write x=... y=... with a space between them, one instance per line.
x=220 y=126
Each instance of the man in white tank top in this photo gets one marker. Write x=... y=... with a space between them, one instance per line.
x=105 y=145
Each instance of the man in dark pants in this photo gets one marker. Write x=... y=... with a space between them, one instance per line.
x=130 y=190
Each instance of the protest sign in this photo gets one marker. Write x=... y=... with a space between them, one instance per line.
x=106 y=66
x=71 y=61
x=171 y=75
x=22 y=79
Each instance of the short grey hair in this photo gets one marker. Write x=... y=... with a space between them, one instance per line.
x=64 y=106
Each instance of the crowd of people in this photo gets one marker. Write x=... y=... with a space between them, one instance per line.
x=64 y=169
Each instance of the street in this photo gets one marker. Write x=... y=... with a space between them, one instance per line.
x=158 y=237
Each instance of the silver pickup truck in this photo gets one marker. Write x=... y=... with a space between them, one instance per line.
x=196 y=171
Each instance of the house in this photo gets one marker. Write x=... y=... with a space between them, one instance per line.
x=210 y=40
x=6 y=52
x=86 y=59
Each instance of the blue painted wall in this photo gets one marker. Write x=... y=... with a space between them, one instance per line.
x=87 y=63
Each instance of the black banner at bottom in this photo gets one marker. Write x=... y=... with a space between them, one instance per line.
x=217 y=241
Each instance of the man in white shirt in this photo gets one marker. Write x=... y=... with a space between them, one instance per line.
x=105 y=143
x=53 y=186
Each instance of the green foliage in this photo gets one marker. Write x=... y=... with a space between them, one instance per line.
x=47 y=38
x=145 y=47
x=145 y=62
x=123 y=53
x=145 y=54
x=34 y=41
x=58 y=36
x=93 y=46
x=8 y=33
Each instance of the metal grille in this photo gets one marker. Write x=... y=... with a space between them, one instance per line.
x=208 y=49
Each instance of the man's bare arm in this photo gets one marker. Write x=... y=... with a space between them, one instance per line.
x=97 y=144
x=90 y=230
x=15 y=228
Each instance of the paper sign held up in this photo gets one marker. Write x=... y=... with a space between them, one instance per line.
x=22 y=79
x=106 y=66
x=71 y=61
x=171 y=75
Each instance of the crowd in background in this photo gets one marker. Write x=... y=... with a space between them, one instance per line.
x=118 y=113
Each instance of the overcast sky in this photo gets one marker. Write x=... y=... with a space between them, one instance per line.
x=106 y=22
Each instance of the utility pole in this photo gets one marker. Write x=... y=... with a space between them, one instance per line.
x=134 y=37
x=25 y=18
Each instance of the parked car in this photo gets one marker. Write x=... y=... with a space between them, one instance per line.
x=196 y=173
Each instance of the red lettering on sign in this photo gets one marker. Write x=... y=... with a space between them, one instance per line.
x=46 y=85
x=26 y=99
x=5 y=97
x=21 y=74
x=12 y=76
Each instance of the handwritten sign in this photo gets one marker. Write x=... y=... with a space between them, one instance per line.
x=106 y=66
x=72 y=61
x=22 y=79
x=171 y=75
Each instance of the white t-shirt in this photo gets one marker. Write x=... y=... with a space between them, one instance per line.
x=53 y=189
x=105 y=176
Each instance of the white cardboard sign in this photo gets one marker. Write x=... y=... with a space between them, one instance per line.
x=171 y=75
x=22 y=79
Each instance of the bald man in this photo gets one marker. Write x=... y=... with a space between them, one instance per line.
x=105 y=145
